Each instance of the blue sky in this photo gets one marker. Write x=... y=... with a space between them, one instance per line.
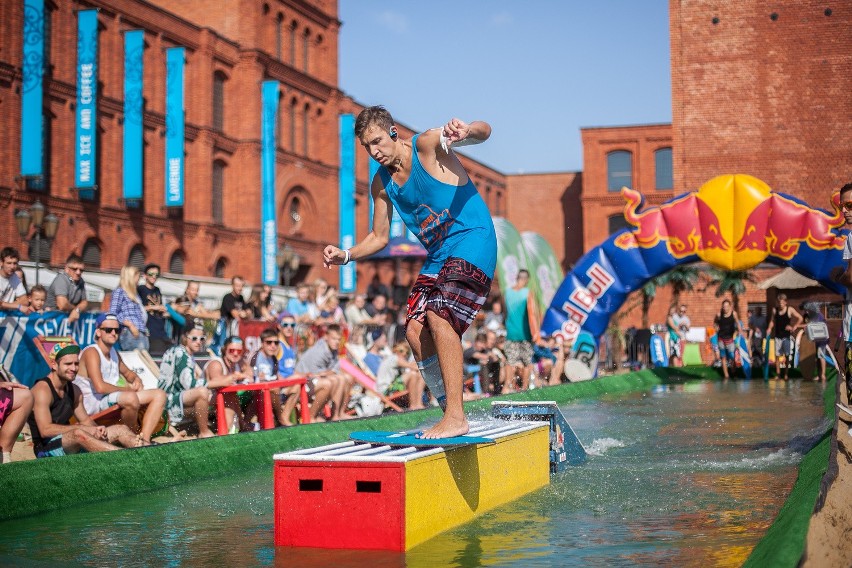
x=536 y=70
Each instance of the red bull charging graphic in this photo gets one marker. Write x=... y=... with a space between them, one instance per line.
x=733 y=222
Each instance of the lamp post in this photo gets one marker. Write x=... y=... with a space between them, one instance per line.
x=35 y=217
x=289 y=262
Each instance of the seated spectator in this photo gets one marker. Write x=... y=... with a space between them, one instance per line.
x=377 y=308
x=104 y=380
x=301 y=306
x=126 y=304
x=260 y=302
x=38 y=296
x=182 y=379
x=494 y=373
x=320 y=361
x=378 y=341
x=399 y=372
x=377 y=288
x=55 y=400
x=266 y=368
x=13 y=294
x=330 y=311
x=230 y=369
x=16 y=402
x=477 y=357
x=67 y=292
x=152 y=302
x=319 y=388
x=320 y=292
x=544 y=359
x=190 y=308
x=494 y=318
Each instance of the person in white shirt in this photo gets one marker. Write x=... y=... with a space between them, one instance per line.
x=13 y=295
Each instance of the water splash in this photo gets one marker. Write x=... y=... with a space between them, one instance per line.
x=601 y=446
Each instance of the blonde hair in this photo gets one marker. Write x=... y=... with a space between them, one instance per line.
x=128 y=280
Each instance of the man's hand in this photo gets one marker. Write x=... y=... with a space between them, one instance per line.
x=10 y=386
x=455 y=130
x=332 y=256
x=74 y=315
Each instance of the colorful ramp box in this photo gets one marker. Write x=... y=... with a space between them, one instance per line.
x=365 y=496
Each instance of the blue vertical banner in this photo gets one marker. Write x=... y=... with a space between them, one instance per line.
x=134 y=47
x=347 y=199
x=32 y=152
x=174 y=127
x=374 y=169
x=87 y=94
x=269 y=226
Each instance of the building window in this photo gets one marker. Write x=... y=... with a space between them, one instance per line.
x=40 y=249
x=137 y=257
x=305 y=133
x=217 y=194
x=663 y=168
x=619 y=170
x=92 y=254
x=293 y=125
x=293 y=26
x=306 y=42
x=294 y=213
x=617 y=222
x=279 y=36
x=219 y=268
x=219 y=101
x=176 y=262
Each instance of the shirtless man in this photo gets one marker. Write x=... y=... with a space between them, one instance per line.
x=425 y=181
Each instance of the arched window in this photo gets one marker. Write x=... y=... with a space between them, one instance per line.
x=293 y=104
x=219 y=268
x=279 y=36
x=217 y=195
x=663 y=168
x=176 y=262
x=219 y=79
x=293 y=26
x=306 y=42
x=619 y=170
x=305 y=133
x=92 y=254
x=617 y=222
x=294 y=214
x=137 y=257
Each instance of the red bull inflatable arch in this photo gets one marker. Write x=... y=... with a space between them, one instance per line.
x=733 y=222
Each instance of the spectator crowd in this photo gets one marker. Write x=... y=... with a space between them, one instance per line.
x=93 y=401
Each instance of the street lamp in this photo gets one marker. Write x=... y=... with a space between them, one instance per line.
x=289 y=261
x=34 y=217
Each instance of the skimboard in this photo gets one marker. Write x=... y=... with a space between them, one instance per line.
x=745 y=356
x=411 y=439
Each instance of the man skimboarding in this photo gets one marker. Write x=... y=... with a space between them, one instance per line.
x=425 y=181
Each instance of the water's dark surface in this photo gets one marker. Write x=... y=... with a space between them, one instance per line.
x=686 y=475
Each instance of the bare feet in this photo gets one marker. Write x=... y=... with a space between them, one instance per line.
x=447 y=428
x=207 y=434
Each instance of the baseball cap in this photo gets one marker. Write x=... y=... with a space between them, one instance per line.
x=284 y=315
x=106 y=316
x=60 y=350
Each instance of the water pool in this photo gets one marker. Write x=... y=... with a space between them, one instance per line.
x=683 y=475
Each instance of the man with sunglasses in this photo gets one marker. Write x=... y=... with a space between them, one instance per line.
x=67 y=292
x=104 y=380
x=152 y=301
x=319 y=389
x=186 y=388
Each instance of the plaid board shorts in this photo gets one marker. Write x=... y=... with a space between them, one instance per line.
x=727 y=349
x=456 y=294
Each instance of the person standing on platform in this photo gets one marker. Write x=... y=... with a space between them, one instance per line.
x=843 y=275
x=519 y=347
x=427 y=184
x=783 y=321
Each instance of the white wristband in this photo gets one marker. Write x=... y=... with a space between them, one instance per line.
x=348 y=256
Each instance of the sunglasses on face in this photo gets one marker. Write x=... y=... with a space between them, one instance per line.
x=153 y=274
x=194 y=338
x=846 y=205
x=270 y=341
x=234 y=351
x=109 y=330
x=288 y=324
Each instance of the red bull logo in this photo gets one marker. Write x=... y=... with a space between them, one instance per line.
x=727 y=209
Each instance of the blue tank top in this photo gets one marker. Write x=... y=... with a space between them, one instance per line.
x=450 y=221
